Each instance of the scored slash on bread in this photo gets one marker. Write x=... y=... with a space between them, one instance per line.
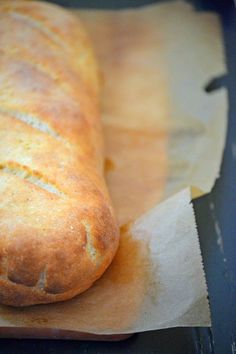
x=58 y=232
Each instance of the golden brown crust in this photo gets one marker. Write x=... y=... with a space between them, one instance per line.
x=58 y=231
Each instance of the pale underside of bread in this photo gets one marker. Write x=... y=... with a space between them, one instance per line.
x=58 y=232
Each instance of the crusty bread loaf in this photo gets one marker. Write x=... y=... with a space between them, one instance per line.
x=58 y=232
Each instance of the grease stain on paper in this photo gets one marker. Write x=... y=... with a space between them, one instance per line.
x=109 y=165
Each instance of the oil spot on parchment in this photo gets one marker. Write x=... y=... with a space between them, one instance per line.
x=109 y=165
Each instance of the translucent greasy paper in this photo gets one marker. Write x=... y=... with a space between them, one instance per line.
x=164 y=134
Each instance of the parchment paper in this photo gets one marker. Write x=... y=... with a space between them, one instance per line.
x=163 y=135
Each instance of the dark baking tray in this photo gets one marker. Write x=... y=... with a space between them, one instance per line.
x=220 y=266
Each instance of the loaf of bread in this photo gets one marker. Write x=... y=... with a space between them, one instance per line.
x=58 y=232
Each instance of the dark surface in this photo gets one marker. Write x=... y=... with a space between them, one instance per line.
x=216 y=219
